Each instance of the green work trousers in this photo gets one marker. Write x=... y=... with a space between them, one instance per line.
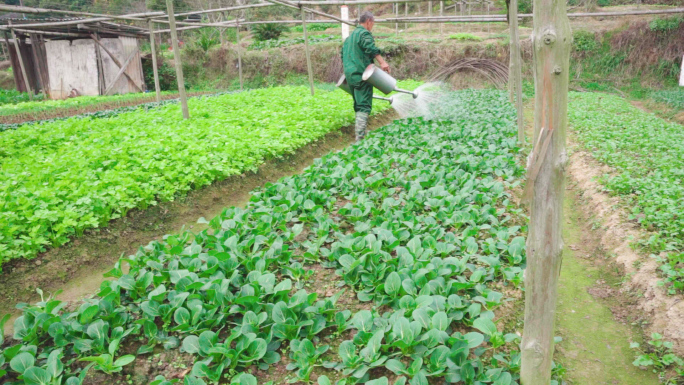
x=363 y=97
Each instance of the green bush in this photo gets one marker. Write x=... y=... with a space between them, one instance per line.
x=14 y=96
x=465 y=37
x=665 y=25
x=525 y=6
x=584 y=41
x=315 y=27
x=263 y=32
x=603 y=3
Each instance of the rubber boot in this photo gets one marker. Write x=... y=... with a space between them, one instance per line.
x=361 y=124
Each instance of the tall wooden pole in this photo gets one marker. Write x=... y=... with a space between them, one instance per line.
x=308 y=53
x=552 y=39
x=177 y=61
x=153 y=45
x=515 y=69
x=430 y=14
x=405 y=14
x=441 y=14
x=21 y=65
x=239 y=52
x=396 y=25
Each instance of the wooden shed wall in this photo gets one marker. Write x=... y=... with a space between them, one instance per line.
x=72 y=65
x=122 y=48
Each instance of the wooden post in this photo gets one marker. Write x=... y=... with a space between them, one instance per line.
x=406 y=15
x=441 y=13
x=21 y=64
x=177 y=60
x=396 y=25
x=308 y=54
x=430 y=15
x=239 y=52
x=551 y=39
x=515 y=69
x=100 y=66
x=153 y=45
x=681 y=74
x=36 y=65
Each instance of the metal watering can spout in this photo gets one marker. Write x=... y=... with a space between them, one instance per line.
x=383 y=81
x=342 y=83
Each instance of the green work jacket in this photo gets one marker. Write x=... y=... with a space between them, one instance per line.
x=358 y=52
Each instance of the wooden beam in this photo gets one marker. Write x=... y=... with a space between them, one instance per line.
x=552 y=40
x=47 y=33
x=177 y=62
x=239 y=52
x=100 y=67
x=36 y=65
x=153 y=46
x=288 y=3
x=515 y=70
x=308 y=53
x=116 y=61
x=21 y=64
x=122 y=70
x=221 y=10
x=34 y=10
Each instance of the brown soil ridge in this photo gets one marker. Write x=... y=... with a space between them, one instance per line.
x=666 y=312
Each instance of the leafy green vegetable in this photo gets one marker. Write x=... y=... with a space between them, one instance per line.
x=647 y=154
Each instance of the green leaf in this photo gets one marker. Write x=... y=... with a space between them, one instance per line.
x=323 y=380
x=21 y=362
x=379 y=381
x=191 y=344
x=124 y=360
x=485 y=325
x=36 y=376
x=440 y=321
x=392 y=284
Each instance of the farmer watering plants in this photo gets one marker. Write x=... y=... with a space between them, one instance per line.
x=358 y=52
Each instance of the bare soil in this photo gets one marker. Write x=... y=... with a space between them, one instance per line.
x=77 y=267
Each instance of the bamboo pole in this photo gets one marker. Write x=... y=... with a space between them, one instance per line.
x=21 y=64
x=290 y=4
x=405 y=15
x=441 y=13
x=153 y=46
x=552 y=39
x=396 y=15
x=239 y=52
x=177 y=62
x=430 y=15
x=515 y=70
x=308 y=53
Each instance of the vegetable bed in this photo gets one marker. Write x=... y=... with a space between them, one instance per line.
x=415 y=221
x=647 y=155
x=60 y=178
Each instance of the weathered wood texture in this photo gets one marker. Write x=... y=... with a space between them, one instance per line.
x=681 y=75
x=122 y=49
x=153 y=46
x=177 y=61
x=515 y=69
x=551 y=39
x=309 y=68
x=72 y=65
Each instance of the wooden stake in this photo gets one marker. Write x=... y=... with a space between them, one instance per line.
x=177 y=61
x=552 y=40
x=100 y=68
x=308 y=54
x=405 y=15
x=153 y=45
x=515 y=69
x=239 y=51
x=21 y=64
x=396 y=25
x=430 y=15
x=441 y=13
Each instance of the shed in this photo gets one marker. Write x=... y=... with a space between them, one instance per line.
x=64 y=58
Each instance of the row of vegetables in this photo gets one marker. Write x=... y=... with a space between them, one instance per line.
x=415 y=222
x=62 y=177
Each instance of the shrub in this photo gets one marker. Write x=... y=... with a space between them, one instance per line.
x=525 y=6
x=263 y=32
x=584 y=41
x=315 y=27
x=665 y=25
x=465 y=37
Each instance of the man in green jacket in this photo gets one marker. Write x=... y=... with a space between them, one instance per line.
x=358 y=51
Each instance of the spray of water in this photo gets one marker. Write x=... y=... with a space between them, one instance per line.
x=429 y=93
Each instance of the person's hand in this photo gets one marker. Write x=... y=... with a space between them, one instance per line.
x=385 y=67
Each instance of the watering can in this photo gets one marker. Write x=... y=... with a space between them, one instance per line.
x=342 y=83
x=378 y=79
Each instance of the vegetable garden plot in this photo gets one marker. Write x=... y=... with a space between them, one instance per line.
x=61 y=178
x=647 y=154
x=415 y=220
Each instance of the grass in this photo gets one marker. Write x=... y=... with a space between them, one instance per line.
x=465 y=37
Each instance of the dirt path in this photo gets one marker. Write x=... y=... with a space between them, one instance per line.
x=77 y=267
x=592 y=312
